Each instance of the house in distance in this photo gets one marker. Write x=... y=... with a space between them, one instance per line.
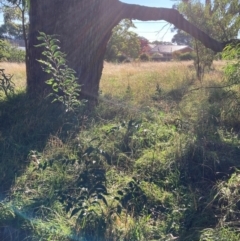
x=166 y=52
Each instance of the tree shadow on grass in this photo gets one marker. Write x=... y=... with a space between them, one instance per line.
x=25 y=125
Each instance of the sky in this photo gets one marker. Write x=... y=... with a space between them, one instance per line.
x=153 y=30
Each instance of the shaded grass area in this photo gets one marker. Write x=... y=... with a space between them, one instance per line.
x=158 y=159
x=26 y=125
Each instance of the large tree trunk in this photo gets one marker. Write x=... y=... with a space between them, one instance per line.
x=84 y=28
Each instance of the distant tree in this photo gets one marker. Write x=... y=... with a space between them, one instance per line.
x=156 y=42
x=182 y=38
x=15 y=16
x=183 y=56
x=123 y=42
x=10 y=53
x=10 y=28
x=217 y=19
x=144 y=44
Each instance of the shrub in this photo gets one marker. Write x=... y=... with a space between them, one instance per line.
x=231 y=52
x=184 y=56
x=4 y=53
x=10 y=53
x=121 y=58
x=157 y=57
x=16 y=55
x=144 y=57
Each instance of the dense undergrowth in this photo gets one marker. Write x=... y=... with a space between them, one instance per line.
x=157 y=159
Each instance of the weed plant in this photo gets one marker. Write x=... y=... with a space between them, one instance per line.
x=63 y=81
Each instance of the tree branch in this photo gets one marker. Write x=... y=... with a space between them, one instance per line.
x=172 y=16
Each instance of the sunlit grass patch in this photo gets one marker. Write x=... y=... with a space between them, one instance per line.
x=142 y=79
x=18 y=70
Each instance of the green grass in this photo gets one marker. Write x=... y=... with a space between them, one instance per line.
x=165 y=146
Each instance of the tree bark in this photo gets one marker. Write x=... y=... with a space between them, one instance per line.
x=84 y=28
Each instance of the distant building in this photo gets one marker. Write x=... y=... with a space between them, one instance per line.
x=165 y=52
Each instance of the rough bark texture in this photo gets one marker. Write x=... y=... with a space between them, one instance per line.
x=84 y=28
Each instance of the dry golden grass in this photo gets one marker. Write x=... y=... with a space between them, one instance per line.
x=142 y=78
x=18 y=71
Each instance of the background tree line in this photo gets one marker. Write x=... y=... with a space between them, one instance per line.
x=14 y=28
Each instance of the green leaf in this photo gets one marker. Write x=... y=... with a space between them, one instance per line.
x=55 y=87
x=58 y=54
x=96 y=203
x=54 y=48
x=40 y=38
x=53 y=41
x=50 y=81
x=40 y=45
